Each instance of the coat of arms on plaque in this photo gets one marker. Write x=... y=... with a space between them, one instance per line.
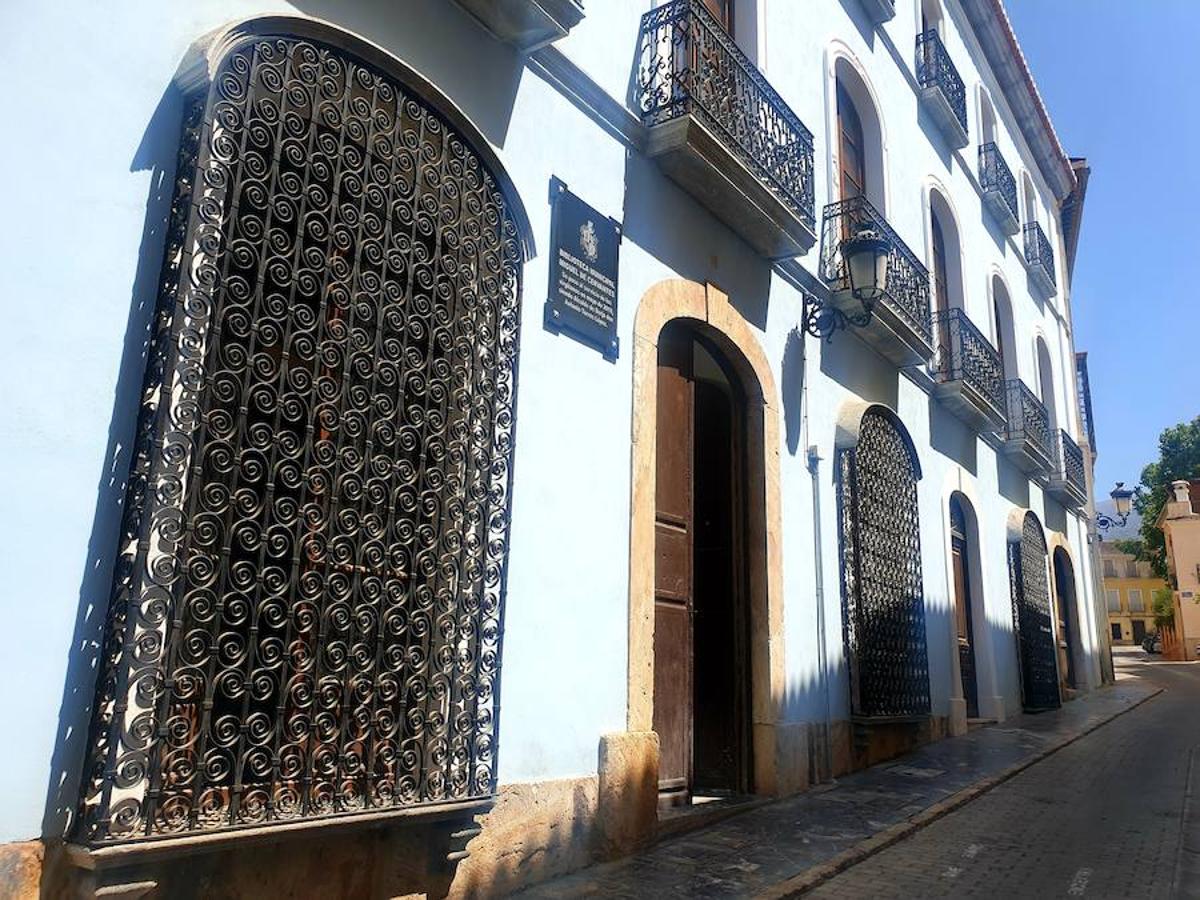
x=588 y=241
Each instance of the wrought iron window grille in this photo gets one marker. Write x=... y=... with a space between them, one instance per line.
x=883 y=603
x=995 y=177
x=907 y=290
x=1038 y=252
x=690 y=66
x=965 y=354
x=306 y=611
x=1030 y=591
x=1028 y=419
x=935 y=70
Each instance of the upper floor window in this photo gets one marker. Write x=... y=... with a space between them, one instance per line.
x=306 y=618
x=852 y=155
x=987 y=118
x=1110 y=568
x=1114 y=600
x=1131 y=568
x=722 y=11
x=1029 y=198
x=931 y=16
x=1136 y=604
x=1046 y=381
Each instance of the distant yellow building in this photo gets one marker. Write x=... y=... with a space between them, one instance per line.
x=1129 y=587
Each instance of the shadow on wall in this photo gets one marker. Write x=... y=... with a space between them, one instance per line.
x=951 y=437
x=791 y=387
x=156 y=154
x=434 y=38
x=849 y=361
x=662 y=219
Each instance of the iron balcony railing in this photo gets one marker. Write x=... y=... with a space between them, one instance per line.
x=690 y=66
x=1028 y=420
x=1038 y=252
x=997 y=178
x=934 y=69
x=1069 y=465
x=964 y=354
x=907 y=293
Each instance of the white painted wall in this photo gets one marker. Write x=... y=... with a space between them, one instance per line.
x=81 y=248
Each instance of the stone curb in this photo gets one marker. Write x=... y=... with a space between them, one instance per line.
x=811 y=878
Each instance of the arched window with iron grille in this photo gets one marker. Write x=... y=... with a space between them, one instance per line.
x=883 y=602
x=1030 y=586
x=307 y=604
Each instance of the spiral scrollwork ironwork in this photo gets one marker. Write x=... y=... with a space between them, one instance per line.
x=883 y=602
x=995 y=177
x=306 y=613
x=1028 y=575
x=1029 y=422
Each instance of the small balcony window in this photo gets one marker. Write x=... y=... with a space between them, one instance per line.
x=942 y=89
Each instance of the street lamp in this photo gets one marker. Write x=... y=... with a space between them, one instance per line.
x=1122 y=499
x=866 y=254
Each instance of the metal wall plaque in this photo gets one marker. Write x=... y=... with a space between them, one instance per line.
x=584 y=253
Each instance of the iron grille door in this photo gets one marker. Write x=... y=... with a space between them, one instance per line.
x=306 y=614
x=1031 y=617
x=882 y=589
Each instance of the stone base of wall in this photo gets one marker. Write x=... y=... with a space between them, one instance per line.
x=20 y=870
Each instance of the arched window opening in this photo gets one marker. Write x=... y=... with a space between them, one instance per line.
x=859 y=168
x=931 y=16
x=1030 y=198
x=883 y=602
x=306 y=618
x=1064 y=608
x=987 y=118
x=961 y=554
x=946 y=251
x=1002 y=333
x=1046 y=381
x=1029 y=582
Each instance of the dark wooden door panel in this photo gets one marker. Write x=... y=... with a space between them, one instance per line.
x=672 y=706
x=962 y=609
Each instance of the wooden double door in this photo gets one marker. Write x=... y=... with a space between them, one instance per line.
x=701 y=625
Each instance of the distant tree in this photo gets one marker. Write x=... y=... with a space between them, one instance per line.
x=1178 y=457
x=1164 y=608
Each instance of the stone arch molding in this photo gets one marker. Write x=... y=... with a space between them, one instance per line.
x=710 y=308
x=203 y=59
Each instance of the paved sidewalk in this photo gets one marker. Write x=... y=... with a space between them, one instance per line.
x=793 y=844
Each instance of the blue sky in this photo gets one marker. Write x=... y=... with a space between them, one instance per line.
x=1119 y=78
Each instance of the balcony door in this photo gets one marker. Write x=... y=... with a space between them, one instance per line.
x=852 y=168
x=962 y=606
x=701 y=621
x=722 y=11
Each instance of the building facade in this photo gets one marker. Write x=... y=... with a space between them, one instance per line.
x=1129 y=587
x=369 y=577
x=1180 y=523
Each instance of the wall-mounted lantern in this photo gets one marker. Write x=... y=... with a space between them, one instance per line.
x=1122 y=498
x=866 y=254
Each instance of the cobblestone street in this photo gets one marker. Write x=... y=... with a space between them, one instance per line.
x=1100 y=818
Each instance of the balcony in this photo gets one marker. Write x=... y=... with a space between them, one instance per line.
x=1039 y=259
x=879 y=11
x=1067 y=481
x=717 y=128
x=1027 y=439
x=999 y=188
x=969 y=372
x=900 y=328
x=942 y=90
x=526 y=24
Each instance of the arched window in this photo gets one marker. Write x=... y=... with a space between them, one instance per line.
x=883 y=601
x=859 y=169
x=852 y=170
x=946 y=253
x=931 y=16
x=987 y=118
x=1028 y=574
x=1002 y=332
x=1030 y=198
x=962 y=539
x=1045 y=371
x=306 y=615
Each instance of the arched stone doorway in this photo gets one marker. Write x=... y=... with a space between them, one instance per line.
x=1065 y=625
x=1030 y=585
x=690 y=342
